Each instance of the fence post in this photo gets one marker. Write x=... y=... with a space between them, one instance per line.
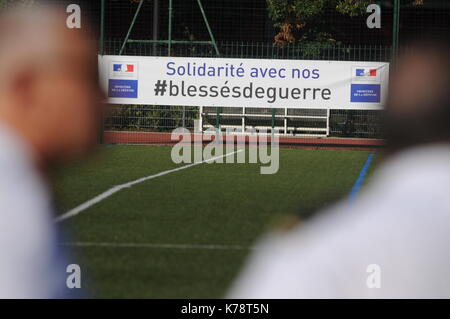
x=218 y=110
x=200 y=117
x=102 y=27
x=328 y=122
x=273 y=126
x=155 y=25
x=243 y=120
x=131 y=26
x=285 y=120
x=170 y=28
x=102 y=51
x=211 y=35
x=273 y=118
x=395 y=28
x=218 y=117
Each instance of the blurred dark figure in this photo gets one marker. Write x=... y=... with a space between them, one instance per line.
x=419 y=111
x=392 y=241
x=349 y=125
x=50 y=104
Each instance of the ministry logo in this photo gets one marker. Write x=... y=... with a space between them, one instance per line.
x=365 y=84
x=123 y=80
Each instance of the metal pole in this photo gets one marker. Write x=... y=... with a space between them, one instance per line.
x=273 y=125
x=102 y=27
x=328 y=122
x=155 y=24
x=170 y=27
x=273 y=118
x=131 y=26
x=167 y=41
x=395 y=28
x=218 y=110
x=211 y=35
x=218 y=117
x=102 y=51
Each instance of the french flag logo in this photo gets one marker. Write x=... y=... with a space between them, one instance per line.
x=366 y=72
x=125 y=68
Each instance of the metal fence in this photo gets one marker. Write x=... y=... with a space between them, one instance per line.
x=150 y=118
x=339 y=123
x=255 y=50
x=244 y=29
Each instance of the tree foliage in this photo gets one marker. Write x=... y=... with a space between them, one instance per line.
x=306 y=20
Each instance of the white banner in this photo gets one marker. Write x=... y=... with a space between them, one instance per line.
x=244 y=82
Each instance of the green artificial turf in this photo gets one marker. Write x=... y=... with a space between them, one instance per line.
x=208 y=204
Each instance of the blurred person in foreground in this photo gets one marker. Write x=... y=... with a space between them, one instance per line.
x=393 y=240
x=49 y=111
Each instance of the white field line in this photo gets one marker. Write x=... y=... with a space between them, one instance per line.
x=154 y=245
x=75 y=211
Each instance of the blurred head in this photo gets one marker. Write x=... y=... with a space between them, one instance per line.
x=418 y=110
x=49 y=89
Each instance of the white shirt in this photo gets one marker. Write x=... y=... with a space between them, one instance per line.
x=395 y=236
x=29 y=266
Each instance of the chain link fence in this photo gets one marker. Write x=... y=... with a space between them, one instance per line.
x=342 y=123
x=244 y=29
